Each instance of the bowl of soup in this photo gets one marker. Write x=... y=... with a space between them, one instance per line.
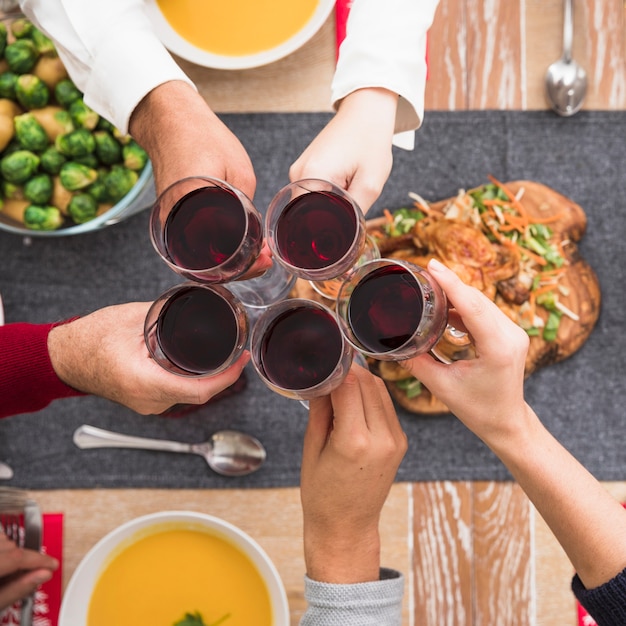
x=170 y=567
x=236 y=34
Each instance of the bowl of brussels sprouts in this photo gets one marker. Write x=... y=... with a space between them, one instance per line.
x=64 y=169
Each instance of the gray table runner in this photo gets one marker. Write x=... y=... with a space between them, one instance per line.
x=580 y=400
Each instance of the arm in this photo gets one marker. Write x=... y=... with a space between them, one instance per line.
x=21 y=571
x=377 y=90
x=352 y=449
x=127 y=76
x=103 y=354
x=487 y=395
x=28 y=381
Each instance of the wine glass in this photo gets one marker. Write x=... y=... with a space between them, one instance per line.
x=196 y=330
x=391 y=309
x=257 y=293
x=298 y=349
x=317 y=232
x=206 y=230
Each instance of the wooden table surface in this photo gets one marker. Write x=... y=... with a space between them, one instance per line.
x=474 y=553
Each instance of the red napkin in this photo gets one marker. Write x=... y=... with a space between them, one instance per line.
x=584 y=619
x=48 y=596
x=342 y=10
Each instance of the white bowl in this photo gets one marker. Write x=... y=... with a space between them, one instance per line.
x=77 y=596
x=183 y=48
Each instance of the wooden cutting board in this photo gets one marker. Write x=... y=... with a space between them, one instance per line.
x=580 y=280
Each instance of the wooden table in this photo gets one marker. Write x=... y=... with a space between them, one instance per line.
x=473 y=553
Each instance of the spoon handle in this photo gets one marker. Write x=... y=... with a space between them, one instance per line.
x=91 y=437
x=568 y=30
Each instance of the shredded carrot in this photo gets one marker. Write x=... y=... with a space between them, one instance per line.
x=388 y=216
x=512 y=198
x=543 y=289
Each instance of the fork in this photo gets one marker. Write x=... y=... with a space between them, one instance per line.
x=21 y=522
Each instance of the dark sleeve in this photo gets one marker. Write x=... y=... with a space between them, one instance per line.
x=606 y=603
x=28 y=381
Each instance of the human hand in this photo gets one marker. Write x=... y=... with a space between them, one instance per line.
x=105 y=354
x=21 y=571
x=485 y=393
x=354 y=149
x=353 y=447
x=185 y=138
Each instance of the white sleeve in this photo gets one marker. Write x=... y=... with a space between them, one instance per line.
x=385 y=46
x=109 y=50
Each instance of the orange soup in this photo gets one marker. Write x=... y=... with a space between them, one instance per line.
x=163 y=575
x=237 y=27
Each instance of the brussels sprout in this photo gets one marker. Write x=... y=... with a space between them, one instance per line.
x=22 y=27
x=82 y=208
x=66 y=92
x=21 y=56
x=119 y=181
x=90 y=160
x=123 y=139
x=43 y=43
x=108 y=149
x=44 y=217
x=76 y=143
x=31 y=92
x=98 y=191
x=4 y=35
x=104 y=124
x=7 y=85
x=52 y=160
x=38 y=189
x=30 y=133
x=135 y=157
x=19 y=166
x=82 y=115
x=11 y=191
x=75 y=176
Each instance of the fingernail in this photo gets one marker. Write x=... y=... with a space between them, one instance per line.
x=436 y=266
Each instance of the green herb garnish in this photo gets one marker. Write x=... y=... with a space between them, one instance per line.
x=195 y=619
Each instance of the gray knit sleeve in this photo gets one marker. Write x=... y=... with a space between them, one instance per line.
x=377 y=603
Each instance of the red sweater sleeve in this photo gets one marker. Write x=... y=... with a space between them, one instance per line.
x=28 y=381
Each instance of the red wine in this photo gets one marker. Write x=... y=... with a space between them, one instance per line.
x=301 y=348
x=385 y=308
x=206 y=227
x=316 y=230
x=197 y=330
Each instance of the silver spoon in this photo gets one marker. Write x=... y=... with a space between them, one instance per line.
x=6 y=473
x=566 y=80
x=228 y=452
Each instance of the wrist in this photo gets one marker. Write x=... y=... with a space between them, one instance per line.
x=517 y=434
x=349 y=559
